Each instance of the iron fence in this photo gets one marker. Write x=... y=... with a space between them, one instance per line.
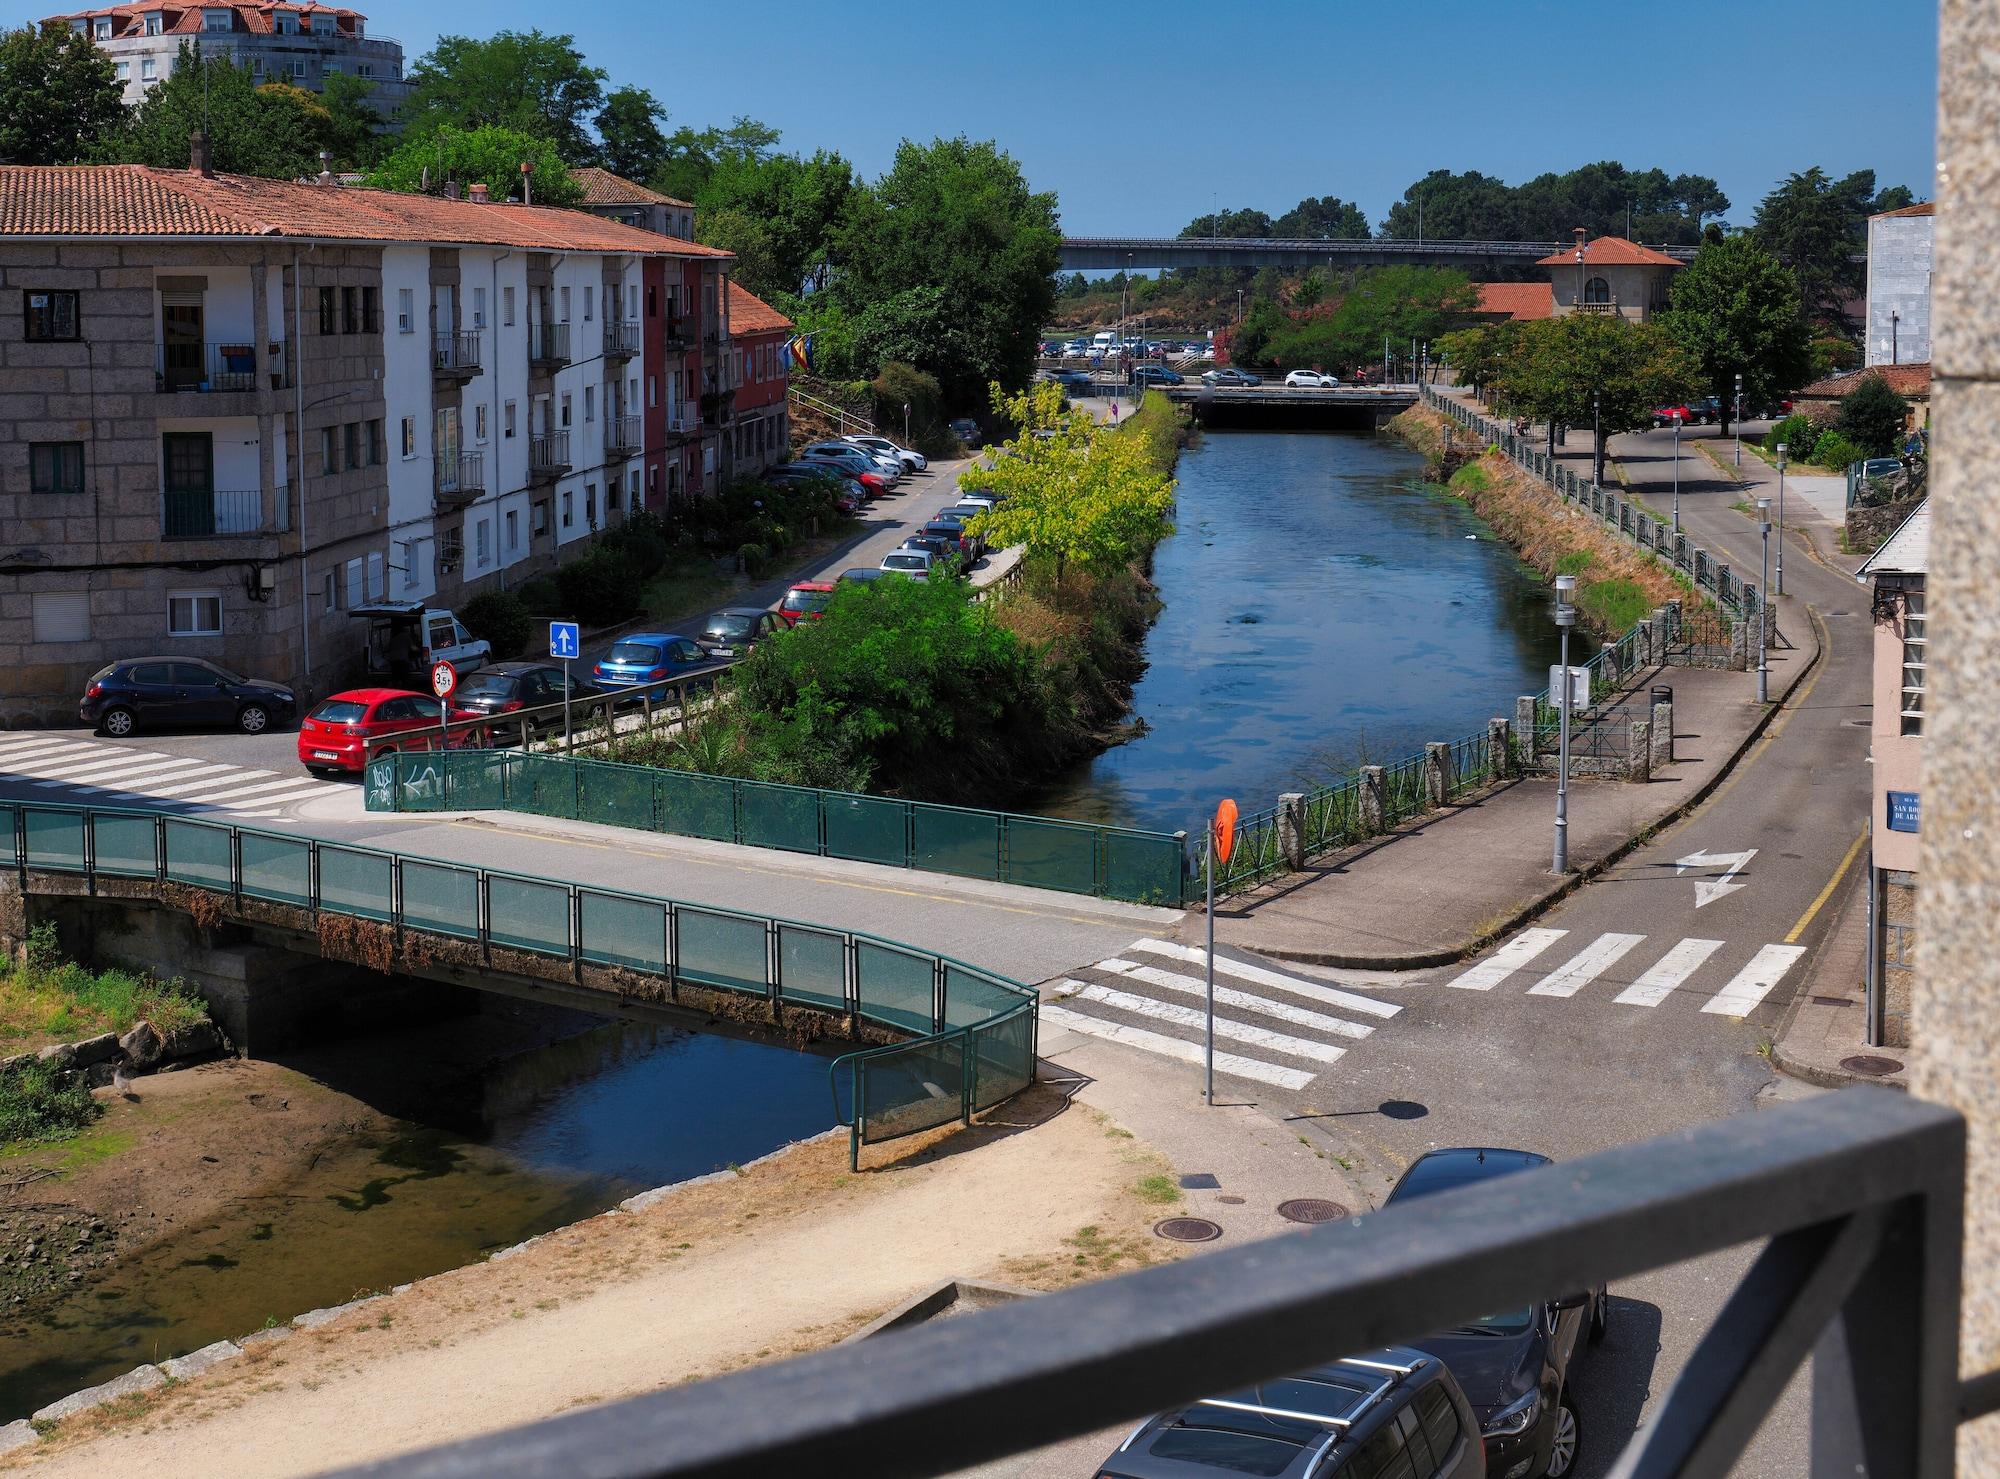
x=983 y=1022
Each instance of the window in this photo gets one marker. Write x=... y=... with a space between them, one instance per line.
x=479 y=308
x=1913 y=661
x=513 y=530
x=569 y=509
x=1383 y=1457
x=590 y=504
x=153 y=23
x=652 y=390
x=298 y=71
x=479 y=423
x=652 y=302
x=1439 y=1419
x=124 y=71
x=589 y=403
x=215 y=20
x=376 y=439
x=589 y=302
x=194 y=613
x=507 y=420
x=330 y=592
x=635 y=487
x=507 y=306
x=103 y=30
x=1597 y=290
x=364 y=69
x=565 y=409
x=409 y=436
x=350 y=310
x=376 y=579
x=326 y=298
x=409 y=566
x=632 y=300
x=481 y=539
x=329 y=451
x=353 y=582
x=61 y=616
x=371 y=311
x=148 y=69
x=541 y=512
x=351 y=443
x=406 y=305
x=55 y=467
x=565 y=303
x=51 y=316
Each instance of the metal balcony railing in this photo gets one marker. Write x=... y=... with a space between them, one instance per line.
x=456 y=352
x=203 y=513
x=623 y=437
x=1857 y=1198
x=683 y=421
x=208 y=367
x=1577 y=305
x=677 y=334
x=548 y=345
x=461 y=476
x=621 y=338
x=548 y=453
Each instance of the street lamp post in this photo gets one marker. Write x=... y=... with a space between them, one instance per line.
x=1763 y=621
x=1739 y=420
x=1678 y=419
x=1596 y=437
x=1781 y=518
x=1565 y=619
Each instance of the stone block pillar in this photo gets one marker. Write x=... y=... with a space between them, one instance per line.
x=1524 y=721
x=1498 y=760
x=1639 y=751
x=1372 y=795
x=1437 y=772
x=1657 y=629
x=1292 y=829
x=1663 y=735
x=1739 y=647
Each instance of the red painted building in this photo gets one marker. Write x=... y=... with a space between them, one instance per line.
x=759 y=430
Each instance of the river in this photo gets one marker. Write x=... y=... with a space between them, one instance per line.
x=1322 y=608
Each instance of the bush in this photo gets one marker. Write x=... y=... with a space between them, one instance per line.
x=1798 y=432
x=38 y=1102
x=502 y=618
x=900 y=385
x=539 y=596
x=598 y=590
x=1834 y=450
x=753 y=558
x=1872 y=417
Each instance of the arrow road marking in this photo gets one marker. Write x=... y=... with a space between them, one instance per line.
x=1711 y=889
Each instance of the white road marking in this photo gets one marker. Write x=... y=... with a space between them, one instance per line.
x=1230 y=996
x=1709 y=890
x=158 y=770
x=1754 y=982
x=206 y=789
x=1180 y=1016
x=281 y=798
x=1593 y=961
x=292 y=782
x=1173 y=1047
x=90 y=770
x=41 y=746
x=1508 y=959
x=1244 y=971
x=211 y=772
x=1666 y=974
x=56 y=762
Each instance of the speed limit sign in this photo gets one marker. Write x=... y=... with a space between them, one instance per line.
x=444 y=678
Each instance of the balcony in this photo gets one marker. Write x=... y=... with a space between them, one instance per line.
x=548 y=455
x=623 y=438
x=717 y=407
x=1577 y=305
x=678 y=341
x=459 y=480
x=683 y=424
x=210 y=513
x=200 y=368
x=548 y=346
x=455 y=354
x=621 y=338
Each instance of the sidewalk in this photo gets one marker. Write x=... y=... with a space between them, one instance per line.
x=1448 y=883
x=1824 y=1038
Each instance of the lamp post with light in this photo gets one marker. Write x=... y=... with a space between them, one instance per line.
x=1565 y=619
x=1739 y=420
x=1678 y=419
x=1781 y=518
x=1763 y=621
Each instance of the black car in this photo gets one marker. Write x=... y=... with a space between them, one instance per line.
x=1156 y=375
x=1397 y=1412
x=861 y=574
x=967 y=431
x=1513 y=1365
x=1073 y=380
x=181 y=692
x=944 y=547
x=509 y=687
x=969 y=546
x=1229 y=375
x=734 y=630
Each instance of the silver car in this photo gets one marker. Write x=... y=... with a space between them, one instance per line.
x=915 y=563
x=883 y=447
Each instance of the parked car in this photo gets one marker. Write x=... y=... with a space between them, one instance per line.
x=976 y=498
x=1700 y=411
x=943 y=548
x=509 y=687
x=1310 y=380
x=648 y=657
x=882 y=446
x=1513 y=1365
x=857 y=460
x=349 y=729
x=968 y=547
x=854 y=463
x=967 y=509
x=862 y=575
x=807 y=600
x=1396 y=1413
x=915 y=563
x=1072 y=380
x=1228 y=376
x=171 y=692
x=849 y=492
x=735 y=630
x=966 y=430
x=1157 y=375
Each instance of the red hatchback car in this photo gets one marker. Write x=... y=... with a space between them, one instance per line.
x=807 y=600
x=349 y=729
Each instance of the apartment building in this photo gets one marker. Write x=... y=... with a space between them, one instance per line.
x=277 y=40
x=240 y=407
x=759 y=432
x=1901 y=245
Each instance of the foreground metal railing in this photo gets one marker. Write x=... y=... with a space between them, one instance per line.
x=1856 y=1195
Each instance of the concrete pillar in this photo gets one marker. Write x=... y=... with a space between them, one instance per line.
x=1739 y=647
x=1524 y=720
x=1498 y=760
x=1663 y=735
x=1639 y=751
x=1292 y=829
x=1371 y=799
x=1658 y=629
x=1437 y=772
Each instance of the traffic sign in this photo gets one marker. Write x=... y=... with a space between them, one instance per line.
x=565 y=640
x=444 y=678
x=1225 y=831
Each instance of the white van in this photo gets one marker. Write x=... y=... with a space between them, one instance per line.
x=1106 y=344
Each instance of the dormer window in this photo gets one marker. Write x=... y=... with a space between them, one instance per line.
x=152 y=23
x=104 y=29
x=322 y=25
x=78 y=26
x=216 y=20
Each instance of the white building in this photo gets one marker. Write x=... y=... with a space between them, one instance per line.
x=1900 y=246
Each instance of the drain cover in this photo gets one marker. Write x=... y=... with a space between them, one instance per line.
x=1311 y=1209
x=1188 y=1230
x=1870 y=1064
x=1230 y=1201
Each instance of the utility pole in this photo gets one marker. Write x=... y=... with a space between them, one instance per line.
x=1764 y=591
x=1677 y=472
x=1739 y=419
x=1781 y=518
x=1565 y=619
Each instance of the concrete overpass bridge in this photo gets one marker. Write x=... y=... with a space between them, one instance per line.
x=1154 y=253
x=1348 y=408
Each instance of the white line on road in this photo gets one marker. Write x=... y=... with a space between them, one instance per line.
x=1508 y=959
x=90 y=770
x=54 y=762
x=290 y=782
x=1667 y=973
x=1173 y=1047
x=1754 y=982
x=1244 y=971
x=1593 y=961
x=1284 y=1011
x=214 y=780
x=1180 y=1016
x=281 y=797
x=41 y=746
x=157 y=769
x=148 y=789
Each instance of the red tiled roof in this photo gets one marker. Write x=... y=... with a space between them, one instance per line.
x=750 y=314
x=1921 y=208
x=1912 y=382
x=601 y=187
x=135 y=200
x=1611 y=251
x=1520 y=301
x=180 y=19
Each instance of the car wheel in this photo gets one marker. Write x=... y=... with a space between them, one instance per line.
x=1600 y=1319
x=253 y=719
x=1568 y=1442
x=117 y=723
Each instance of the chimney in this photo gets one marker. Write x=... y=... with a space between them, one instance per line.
x=477 y=192
x=326 y=166
x=199 y=162
x=451 y=189
x=1581 y=234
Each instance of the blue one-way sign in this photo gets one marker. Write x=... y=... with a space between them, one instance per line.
x=564 y=639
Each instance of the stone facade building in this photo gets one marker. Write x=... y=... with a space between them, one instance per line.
x=1610 y=275
x=1900 y=246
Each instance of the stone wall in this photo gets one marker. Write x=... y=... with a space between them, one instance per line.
x=1868 y=527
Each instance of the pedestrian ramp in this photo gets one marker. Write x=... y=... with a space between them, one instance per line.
x=1272 y=1026
x=1730 y=980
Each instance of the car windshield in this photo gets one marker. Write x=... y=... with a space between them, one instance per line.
x=340 y=711
x=488 y=685
x=729 y=624
x=643 y=653
x=1510 y=1322
x=904 y=562
x=807 y=600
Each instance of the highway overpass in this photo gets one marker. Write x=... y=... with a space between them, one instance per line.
x=1153 y=253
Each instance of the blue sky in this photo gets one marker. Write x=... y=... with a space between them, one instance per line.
x=1140 y=115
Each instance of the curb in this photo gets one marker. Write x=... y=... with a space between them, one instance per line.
x=1541 y=903
x=1826 y=1078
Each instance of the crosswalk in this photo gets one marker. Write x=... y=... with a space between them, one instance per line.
x=70 y=767
x=1672 y=972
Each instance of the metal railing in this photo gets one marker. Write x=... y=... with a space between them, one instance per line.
x=1856 y=1199
x=460 y=476
x=203 y=513
x=622 y=437
x=456 y=352
x=970 y=1028
x=621 y=337
x=548 y=344
x=548 y=453
x=209 y=368
x=1004 y=847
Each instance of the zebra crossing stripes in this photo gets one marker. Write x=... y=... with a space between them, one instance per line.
x=1667 y=974
x=1665 y=977
x=1180 y=1016
x=1259 y=975
x=1230 y=996
x=1753 y=983
x=1596 y=958
x=1508 y=959
x=111 y=773
x=1174 y=1047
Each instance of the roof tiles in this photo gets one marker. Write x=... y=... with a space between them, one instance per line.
x=750 y=314
x=601 y=187
x=1520 y=301
x=1611 y=251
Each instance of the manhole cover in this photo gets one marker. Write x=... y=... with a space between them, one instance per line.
x=1870 y=1064
x=1230 y=1201
x=1311 y=1209
x=1188 y=1230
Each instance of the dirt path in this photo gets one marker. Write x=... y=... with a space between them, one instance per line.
x=793 y=1254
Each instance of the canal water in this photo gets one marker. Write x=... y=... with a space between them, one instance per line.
x=1322 y=609
x=471 y=1162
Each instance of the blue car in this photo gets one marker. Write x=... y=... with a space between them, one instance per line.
x=648 y=657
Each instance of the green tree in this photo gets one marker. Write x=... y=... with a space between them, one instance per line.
x=276 y=131
x=1561 y=370
x=1309 y=290
x=957 y=217
x=1818 y=226
x=1872 y=416
x=522 y=80
x=800 y=207
x=59 y=96
x=692 y=155
x=1477 y=353
x=1240 y=225
x=1736 y=311
x=1605 y=198
x=1323 y=218
x=630 y=140
x=491 y=155
x=353 y=128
